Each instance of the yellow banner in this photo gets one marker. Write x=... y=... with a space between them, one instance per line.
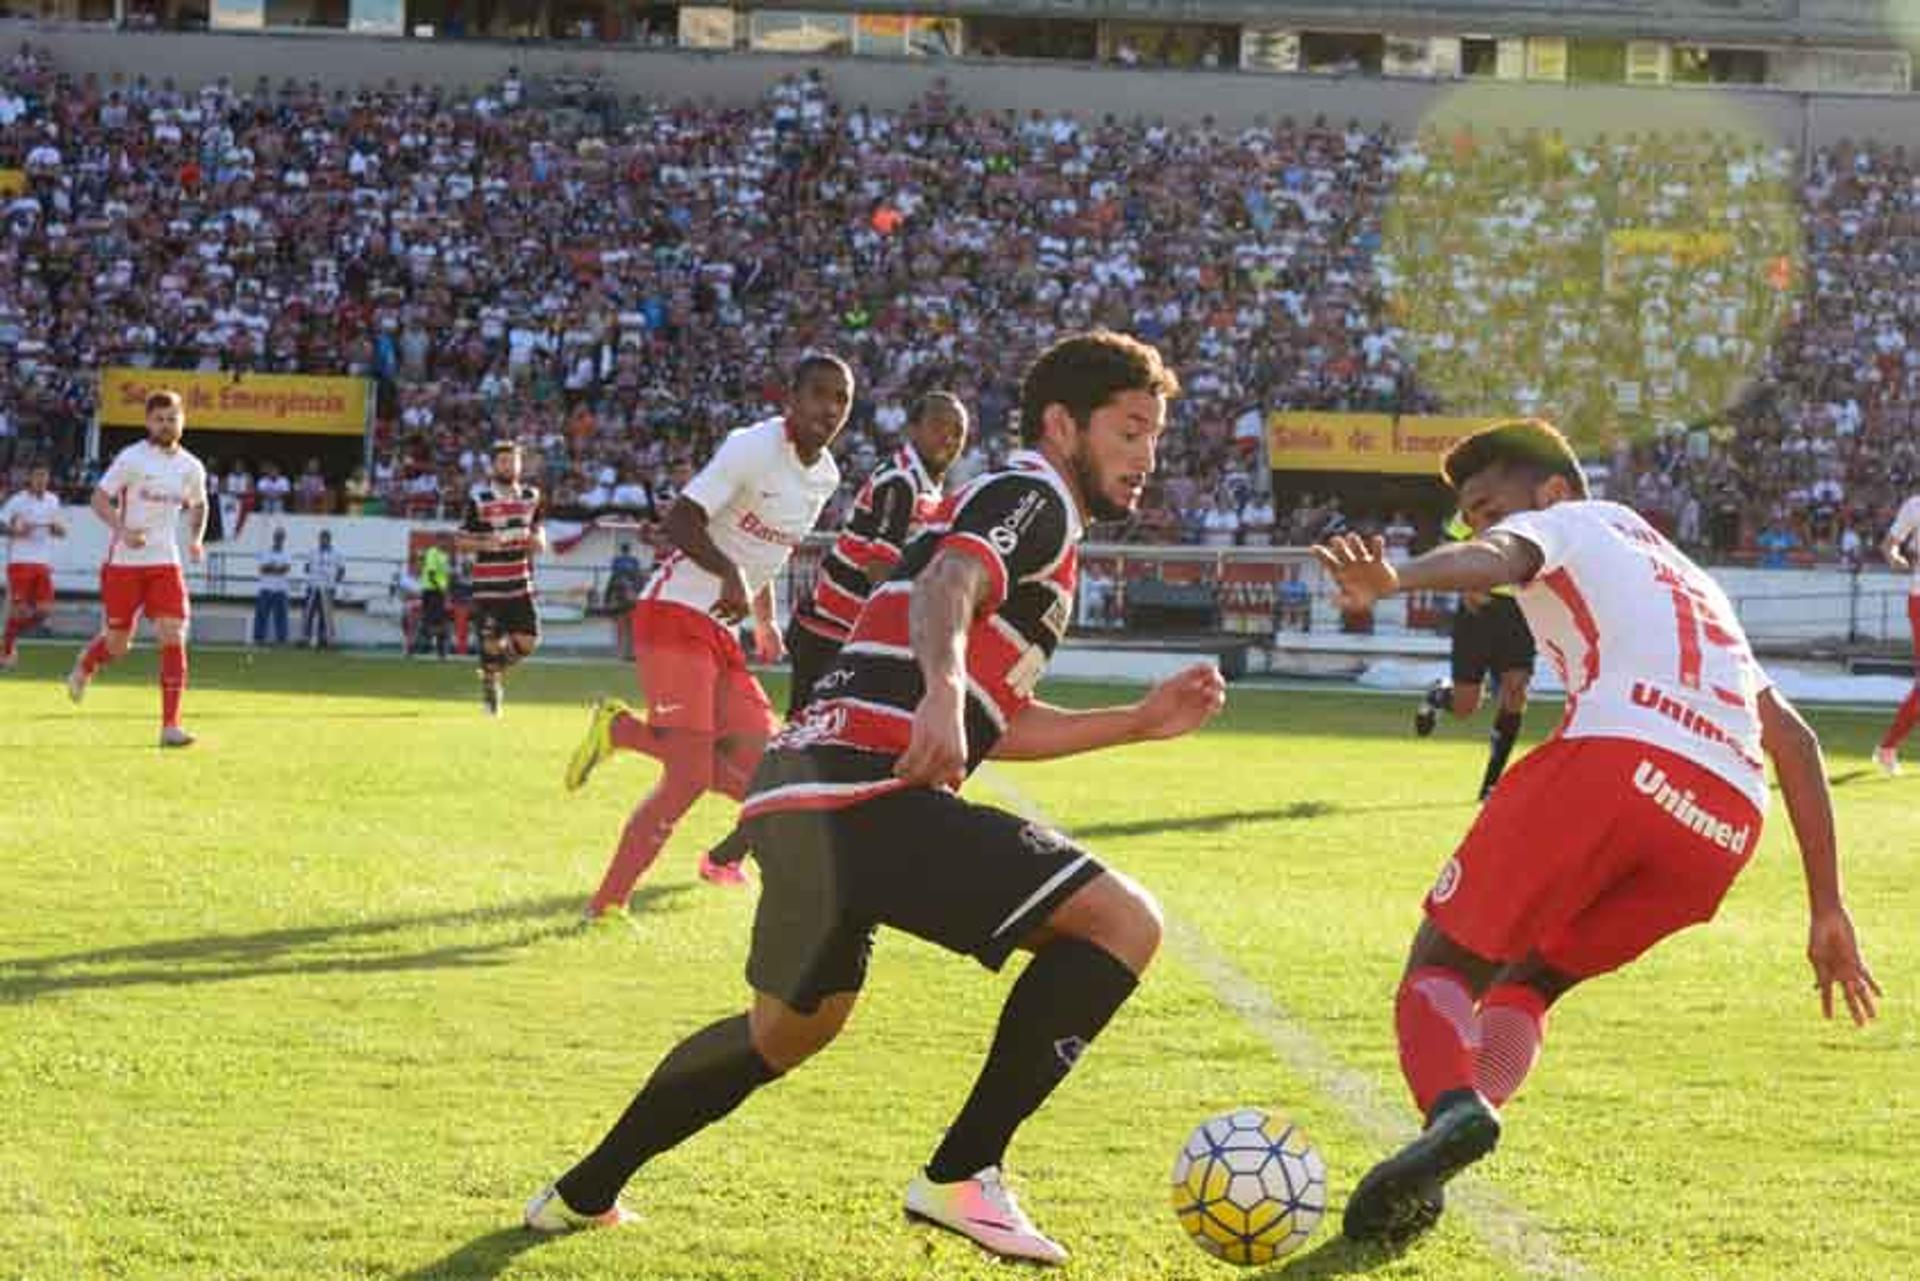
x=1687 y=247
x=1306 y=440
x=13 y=182
x=294 y=403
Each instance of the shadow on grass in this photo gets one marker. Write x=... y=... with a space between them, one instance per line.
x=1297 y=811
x=362 y=947
x=480 y=1259
x=1339 y=1257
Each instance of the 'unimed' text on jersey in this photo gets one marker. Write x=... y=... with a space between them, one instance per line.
x=1023 y=526
x=511 y=514
x=1645 y=640
x=896 y=500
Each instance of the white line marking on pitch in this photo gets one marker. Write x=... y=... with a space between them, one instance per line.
x=1506 y=1229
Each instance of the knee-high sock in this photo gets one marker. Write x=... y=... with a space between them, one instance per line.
x=1067 y=993
x=1506 y=729
x=1903 y=720
x=705 y=1077
x=689 y=772
x=173 y=681
x=1434 y=1019
x=1511 y=1026
x=95 y=656
x=631 y=734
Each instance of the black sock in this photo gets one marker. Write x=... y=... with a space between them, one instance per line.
x=1440 y=698
x=705 y=1077
x=1059 y=1004
x=732 y=849
x=1506 y=728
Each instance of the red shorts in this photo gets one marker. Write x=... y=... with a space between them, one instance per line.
x=694 y=675
x=1589 y=852
x=30 y=587
x=1913 y=621
x=128 y=591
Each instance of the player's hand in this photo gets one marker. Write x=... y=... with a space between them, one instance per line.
x=1359 y=569
x=135 y=539
x=1898 y=559
x=1836 y=959
x=1182 y=703
x=196 y=552
x=55 y=528
x=936 y=756
x=768 y=647
x=735 y=602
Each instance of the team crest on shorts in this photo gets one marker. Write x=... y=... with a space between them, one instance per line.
x=1043 y=840
x=1449 y=881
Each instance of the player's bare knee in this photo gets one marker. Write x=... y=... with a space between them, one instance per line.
x=1116 y=913
x=118 y=643
x=1466 y=700
x=785 y=1037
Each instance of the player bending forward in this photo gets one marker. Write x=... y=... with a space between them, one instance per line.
x=855 y=818
x=1902 y=550
x=140 y=498
x=1628 y=826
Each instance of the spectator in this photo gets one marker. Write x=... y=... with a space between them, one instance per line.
x=325 y=572
x=270 y=598
x=273 y=490
x=312 y=490
x=1256 y=520
x=1221 y=524
x=1776 y=543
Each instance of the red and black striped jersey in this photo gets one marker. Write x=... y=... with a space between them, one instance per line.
x=1022 y=524
x=897 y=499
x=510 y=514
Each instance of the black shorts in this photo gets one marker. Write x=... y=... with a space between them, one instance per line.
x=1491 y=640
x=811 y=654
x=513 y=615
x=433 y=611
x=970 y=878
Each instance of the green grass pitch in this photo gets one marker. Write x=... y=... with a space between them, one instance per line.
x=308 y=1001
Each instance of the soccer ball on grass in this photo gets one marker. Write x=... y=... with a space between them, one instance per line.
x=1248 y=1187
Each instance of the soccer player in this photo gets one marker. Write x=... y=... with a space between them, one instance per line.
x=856 y=820
x=732 y=528
x=140 y=498
x=503 y=529
x=1902 y=550
x=31 y=520
x=1629 y=826
x=1490 y=638
x=894 y=503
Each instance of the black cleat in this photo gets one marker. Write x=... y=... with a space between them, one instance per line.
x=1404 y=1195
x=490 y=696
x=1424 y=720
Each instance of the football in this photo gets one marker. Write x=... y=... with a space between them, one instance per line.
x=1248 y=1187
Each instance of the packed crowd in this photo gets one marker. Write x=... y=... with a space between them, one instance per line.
x=617 y=282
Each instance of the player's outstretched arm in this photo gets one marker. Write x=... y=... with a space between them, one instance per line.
x=1361 y=574
x=946 y=596
x=1176 y=706
x=1831 y=946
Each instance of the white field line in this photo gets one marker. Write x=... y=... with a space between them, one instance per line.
x=1507 y=1230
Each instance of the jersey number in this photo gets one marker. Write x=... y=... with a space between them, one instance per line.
x=1698 y=625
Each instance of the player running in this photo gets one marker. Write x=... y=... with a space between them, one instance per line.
x=732 y=528
x=856 y=821
x=893 y=505
x=1490 y=638
x=1902 y=550
x=1629 y=826
x=140 y=498
x=31 y=520
x=503 y=528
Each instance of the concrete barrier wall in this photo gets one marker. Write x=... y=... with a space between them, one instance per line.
x=1231 y=98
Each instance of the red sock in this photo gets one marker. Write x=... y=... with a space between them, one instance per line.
x=1433 y=1015
x=1513 y=1022
x=95 y=656
x=689 y=761
x=14 y=627
x=631 y=734
x=1903 y=720
x=734 y=764
x=173 y=682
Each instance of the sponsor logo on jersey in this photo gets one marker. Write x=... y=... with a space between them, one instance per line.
x=752 y=526
x=1657 y=700
x=1651 y=781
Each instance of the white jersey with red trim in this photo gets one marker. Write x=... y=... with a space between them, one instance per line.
x=152 y=486
x=1906 y=533
x=1645 y=640
x=761 y=503
x=39 y=513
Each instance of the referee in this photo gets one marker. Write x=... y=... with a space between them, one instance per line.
x=436 y=577
x=1490 y=638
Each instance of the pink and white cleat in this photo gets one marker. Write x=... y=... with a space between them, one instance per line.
x=731 y=875
x=1888 y=760
x=549 y=1212
x=983 y=1210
